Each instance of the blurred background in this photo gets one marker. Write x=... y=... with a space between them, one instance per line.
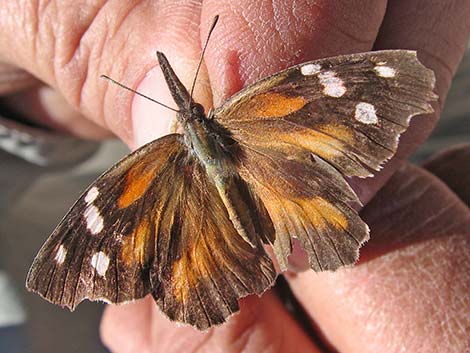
x=34 y=198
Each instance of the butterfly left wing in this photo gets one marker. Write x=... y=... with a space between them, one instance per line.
x=154 y=223
x=203 y=265
x=102 y=249
x=302 y=130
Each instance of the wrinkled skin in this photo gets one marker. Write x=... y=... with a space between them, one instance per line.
x=410 y=290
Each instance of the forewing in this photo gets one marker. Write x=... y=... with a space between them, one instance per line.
x=303 y=129
x=203 y=265
x=350 y=110
x=104 y=246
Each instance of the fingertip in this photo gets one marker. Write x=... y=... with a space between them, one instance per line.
x=126 y=328
x=150 y=120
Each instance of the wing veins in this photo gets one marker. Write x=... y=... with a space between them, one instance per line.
x=203 y=210
x=79 y=276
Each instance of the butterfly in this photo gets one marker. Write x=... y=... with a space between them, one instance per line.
x=187 y=217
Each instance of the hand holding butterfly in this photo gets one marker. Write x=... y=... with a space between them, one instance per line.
x=239 y=57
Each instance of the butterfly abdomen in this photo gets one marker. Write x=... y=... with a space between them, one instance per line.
x=208 y=147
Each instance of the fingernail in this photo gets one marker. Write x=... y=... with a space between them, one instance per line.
x=150 y=120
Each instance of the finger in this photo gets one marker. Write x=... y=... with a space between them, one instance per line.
x=70 y=52
x=262 y=325
x=256 y=39
x=453 y=168
x=25 y=97
x=126 y=328
x=409 y=291
x=439 y=32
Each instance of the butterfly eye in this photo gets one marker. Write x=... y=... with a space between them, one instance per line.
x=197 y=109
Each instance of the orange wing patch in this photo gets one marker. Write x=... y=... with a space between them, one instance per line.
x=190 y=269
x=138 y=180
x=317 y=211
x=327 y=143
x=271 y=105
x=328 y=213
x=182 y=282
x=140 y=176
x=138 y=246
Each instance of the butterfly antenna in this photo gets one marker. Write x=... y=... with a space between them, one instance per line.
x=214 y=22
x=136 y=92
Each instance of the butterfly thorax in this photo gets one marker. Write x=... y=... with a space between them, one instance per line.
x=207 y=145
x=211 y=148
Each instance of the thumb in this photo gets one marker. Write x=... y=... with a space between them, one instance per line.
x=151 y=121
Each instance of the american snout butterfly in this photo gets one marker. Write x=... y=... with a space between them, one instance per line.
x=186 y=217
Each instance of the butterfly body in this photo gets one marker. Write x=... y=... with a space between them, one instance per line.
x=212 y=147
x=186 y=217
x=209 y=148
x=218 y=157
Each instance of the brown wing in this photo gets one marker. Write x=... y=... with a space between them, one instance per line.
x=203 y=265
x=153 y=223
x=308 y=199
x=303 y=129
x=103 y=248
x=350 y=110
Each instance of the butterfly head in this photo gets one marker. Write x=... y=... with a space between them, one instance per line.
x=189 y=110
x=197 y=110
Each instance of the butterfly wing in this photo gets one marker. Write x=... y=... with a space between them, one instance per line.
x=101 y=249
x=308 y=199
x=305 y=128
x=349 y=110
x=204 y=266
x=152 y=224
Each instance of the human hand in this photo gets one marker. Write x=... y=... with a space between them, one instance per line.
x=409 y=292
x=351 y=307
x=106 y=41
x=69 y=52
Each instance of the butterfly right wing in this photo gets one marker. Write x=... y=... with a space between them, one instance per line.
x=304 y=129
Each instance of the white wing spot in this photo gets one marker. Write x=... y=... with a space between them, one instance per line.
x=91 y=195
x=60 y=255
x=365 y=113
x=385 y=71
x=310 y=69
x=333 y=86
x=100 y=262
x=94 y=221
